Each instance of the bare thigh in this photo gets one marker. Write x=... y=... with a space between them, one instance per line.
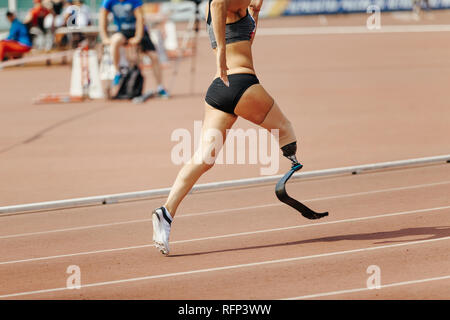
x=118 y=39
x=254 y=104
x=153 y=55
x=257 y=106
x=216 y=120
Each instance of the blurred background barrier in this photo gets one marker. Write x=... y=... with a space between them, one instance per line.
x=69 y=26
x=183 y=10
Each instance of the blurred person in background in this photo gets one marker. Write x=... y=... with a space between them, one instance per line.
x=40 y=23
x=77 y=15
x=35 y=17
x=58 y=8
x=131 y=29
x=18 y=41
x=417 y=7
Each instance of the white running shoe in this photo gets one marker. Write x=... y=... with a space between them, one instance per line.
x=161 y=229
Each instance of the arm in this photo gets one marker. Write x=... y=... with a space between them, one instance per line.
x=53 y=14
x=103 y=25
x=12 y=32
x=139 y=14
x=254 y=8
x=28 y=17
x=218 y=21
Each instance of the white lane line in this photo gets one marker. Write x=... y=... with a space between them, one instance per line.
x=228 y=235
x=390 y=285
x=226 y=210
x=321 y=198
x=329 y=30
x=238 y=266
x=73 y=228
x=345 y=30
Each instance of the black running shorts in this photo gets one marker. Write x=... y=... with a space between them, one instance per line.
x=146 y=42
x=225 y=98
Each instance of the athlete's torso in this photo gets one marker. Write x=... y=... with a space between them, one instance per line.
x=123 y=12
x=19 y=33
x=238 y=32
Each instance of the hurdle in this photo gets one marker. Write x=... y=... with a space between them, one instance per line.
x=147 y=194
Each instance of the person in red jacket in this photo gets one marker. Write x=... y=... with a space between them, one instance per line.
x=36 y=16
x=18 y=41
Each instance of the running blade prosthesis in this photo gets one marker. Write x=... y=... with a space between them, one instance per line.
x=280 y=191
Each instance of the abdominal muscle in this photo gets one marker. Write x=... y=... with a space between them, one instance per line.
x=239 y=58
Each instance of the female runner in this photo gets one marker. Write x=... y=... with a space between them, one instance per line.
x=231 y=25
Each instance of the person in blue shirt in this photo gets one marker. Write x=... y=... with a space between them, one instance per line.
x=129 y=19
x=18 y=41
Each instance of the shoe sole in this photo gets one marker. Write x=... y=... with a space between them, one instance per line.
x=159 y=245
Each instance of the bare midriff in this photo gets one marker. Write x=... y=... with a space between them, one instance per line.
x=239 y=58
x=239 y=54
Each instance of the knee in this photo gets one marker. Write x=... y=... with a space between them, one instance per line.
x=154 y=57
x=117 y=40
x=204 y=160
x=285 y=127
x=196 y=168
x=286 y=133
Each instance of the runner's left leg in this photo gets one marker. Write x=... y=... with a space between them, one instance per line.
x=203 y=158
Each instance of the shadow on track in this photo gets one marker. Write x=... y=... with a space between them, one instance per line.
x=387 y=236
x=58 y=124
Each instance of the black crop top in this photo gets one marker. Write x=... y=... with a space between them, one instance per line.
x=241 y=30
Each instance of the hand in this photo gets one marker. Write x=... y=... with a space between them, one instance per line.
x=222 y=66
x=252 y=36
x=134 y=41
x=106 y=41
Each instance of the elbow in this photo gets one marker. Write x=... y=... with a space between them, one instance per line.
x=256 y=5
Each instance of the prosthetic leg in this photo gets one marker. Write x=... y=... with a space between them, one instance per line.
x=289 y=151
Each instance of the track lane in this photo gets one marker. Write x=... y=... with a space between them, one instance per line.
x=239 y=250
x=117 y=236
x=307 y=274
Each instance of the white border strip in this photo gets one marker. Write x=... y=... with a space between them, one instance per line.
x=345 y=30
x=114 y=198
x=37 y=58
x=351 y=30
x=229 y=267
